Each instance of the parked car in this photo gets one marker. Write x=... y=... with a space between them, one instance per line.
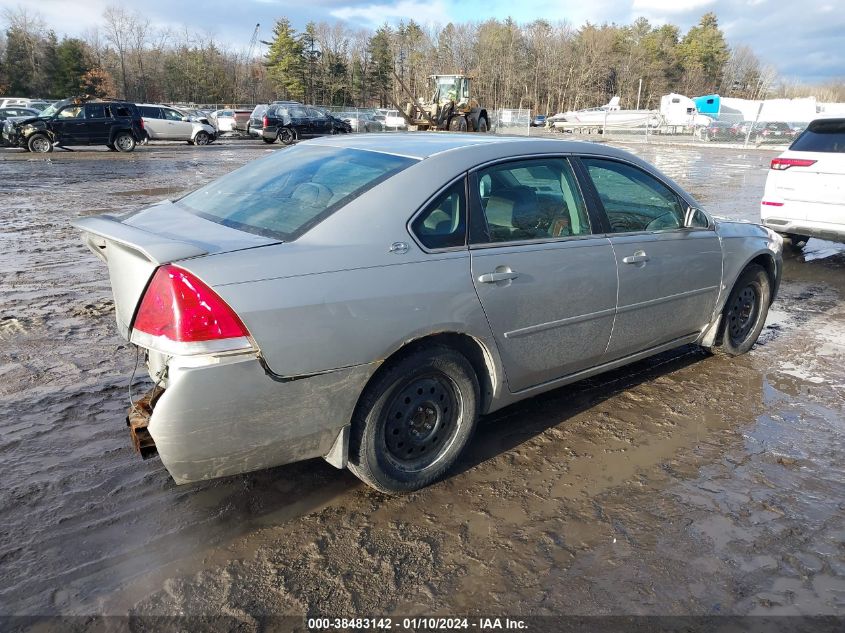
x=797 y=126
x=287 y=123
x=360 y=121
x=716 y=131
x=22 y=102
x=169 y=124
x=365 y=298
x=772 y=132
x=805 y=188
x=394 y=121
x=116 y=124
x=223 y=120
x=17 y=111
x=256 y=120
x=539 y=120
x=740 y=129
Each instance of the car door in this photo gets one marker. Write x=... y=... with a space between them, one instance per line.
x=669 y=273
x=69 y=126
x=154 y=122
x=177 y=129
x=317 y=122
x=97 y=122
x=546 y=281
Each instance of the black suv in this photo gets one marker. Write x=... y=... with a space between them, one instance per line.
x=288 y=122
x=79 y=121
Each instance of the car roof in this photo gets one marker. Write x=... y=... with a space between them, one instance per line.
x=423 y=145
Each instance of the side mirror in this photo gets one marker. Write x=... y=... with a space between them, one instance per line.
x=185 y=119
x=696 y=219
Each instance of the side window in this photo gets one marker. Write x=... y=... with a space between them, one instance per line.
x=150 y=112
x=172 y=115
x=634 y=200
x=315 y=114
x=532 y=200
x=443 y=222
x=71 y=112
x=122 y=111
x=95 y=111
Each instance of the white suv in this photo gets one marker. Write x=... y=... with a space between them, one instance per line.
x=805 y=190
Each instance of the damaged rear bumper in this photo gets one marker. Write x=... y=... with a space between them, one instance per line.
x=229 y=416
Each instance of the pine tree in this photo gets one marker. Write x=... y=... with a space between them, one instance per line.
x=285 y=65
x=381 y=68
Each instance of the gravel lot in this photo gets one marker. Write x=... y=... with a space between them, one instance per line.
x=685 y=484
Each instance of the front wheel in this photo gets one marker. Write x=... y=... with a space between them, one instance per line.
x=202 y=138
x=745 y=311
x=124 y=142
x=414 y=420
x=286 y=136
x=39 y=144
x=458 y=124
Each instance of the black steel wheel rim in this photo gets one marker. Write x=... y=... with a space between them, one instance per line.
x=742 y=314
x=421 y=421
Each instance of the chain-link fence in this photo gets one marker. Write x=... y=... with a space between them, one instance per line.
x=512 y=122
x=683 y=120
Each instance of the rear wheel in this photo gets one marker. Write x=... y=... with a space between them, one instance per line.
x=39 y=144
x=414 y=420
x=482 y=125
x=286 y=136
x=124 y=142
x=745 y=311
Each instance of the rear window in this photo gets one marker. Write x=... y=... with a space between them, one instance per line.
x=822 y=136
x=259 y=111
x=286 y=194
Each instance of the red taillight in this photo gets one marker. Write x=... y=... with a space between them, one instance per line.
x=781 y=164
x=177 y=306
x=265 y=122
x=142 y=124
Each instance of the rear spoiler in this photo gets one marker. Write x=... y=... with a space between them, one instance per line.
x=96 y=231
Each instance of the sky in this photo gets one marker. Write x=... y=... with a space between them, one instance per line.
x=804 y=41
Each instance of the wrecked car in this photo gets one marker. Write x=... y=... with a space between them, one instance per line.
x=78 y=121
x=366 y=298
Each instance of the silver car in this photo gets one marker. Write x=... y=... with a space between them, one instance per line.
x=169 y=124
x=365 y=298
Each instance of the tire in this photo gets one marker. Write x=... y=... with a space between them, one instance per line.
x=286 y=136
x=202 y=138
x=458 y=124
x=482 y=126
x=124 y=142
x=39 y=144
x=414 y=420
x=797 y=242
x=745 y=311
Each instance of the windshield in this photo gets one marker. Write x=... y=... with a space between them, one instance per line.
x=51 y=109
x=287 y=193
x=822 y=136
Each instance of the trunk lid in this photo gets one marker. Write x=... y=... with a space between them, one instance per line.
x=134 y=245
x=820 y=182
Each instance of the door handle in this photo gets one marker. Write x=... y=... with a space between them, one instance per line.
x=638 y=257
x=506 y=274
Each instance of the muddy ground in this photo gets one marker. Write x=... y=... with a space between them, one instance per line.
x=686 y=484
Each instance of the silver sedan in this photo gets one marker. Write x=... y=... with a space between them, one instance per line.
x=364 y=299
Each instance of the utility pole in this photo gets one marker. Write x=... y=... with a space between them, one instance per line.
x=639 y=92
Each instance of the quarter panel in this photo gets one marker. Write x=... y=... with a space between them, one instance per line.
x=312 y=323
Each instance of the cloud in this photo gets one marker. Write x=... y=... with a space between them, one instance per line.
x=670 y=6
x=377 y=14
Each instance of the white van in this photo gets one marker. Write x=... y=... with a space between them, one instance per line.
x=805 y=189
